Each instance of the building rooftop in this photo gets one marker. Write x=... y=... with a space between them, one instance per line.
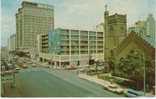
x=40 y=5
x=143 y=44
x=74 y=29
x=117 y=15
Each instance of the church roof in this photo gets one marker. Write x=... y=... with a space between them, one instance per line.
x=142 y=44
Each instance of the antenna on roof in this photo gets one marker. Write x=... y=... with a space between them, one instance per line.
x=106 y=7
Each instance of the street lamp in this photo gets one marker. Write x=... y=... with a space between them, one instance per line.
x=144 y=74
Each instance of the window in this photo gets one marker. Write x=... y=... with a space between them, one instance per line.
x=122 y=28
x=111 y=28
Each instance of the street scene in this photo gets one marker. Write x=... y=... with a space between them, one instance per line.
x=76 y=49
x=54 y=83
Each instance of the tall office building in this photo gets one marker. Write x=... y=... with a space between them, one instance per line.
x=4 y=53
x=11 y=42
x=32 y=19
x=139 y=28
x=145 y=29
x=72 y=47
x=115 y=27
x=150 y=25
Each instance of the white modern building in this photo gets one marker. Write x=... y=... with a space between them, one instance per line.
x=70 y=47
x=11 y=42
x=150 y=25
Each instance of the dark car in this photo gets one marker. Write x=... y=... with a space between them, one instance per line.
x=133 y=93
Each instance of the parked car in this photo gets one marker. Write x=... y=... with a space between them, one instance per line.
x=133 y=93
x=29 y=62
x=24 y=66
x=11 y=66
x=17 y=70
x=81 y=70
x=71 y=67
x=33 y=65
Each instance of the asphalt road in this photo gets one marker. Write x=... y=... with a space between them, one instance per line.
x=42 y=82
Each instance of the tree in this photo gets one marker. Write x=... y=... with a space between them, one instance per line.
x=111 y=62
x=132 y=67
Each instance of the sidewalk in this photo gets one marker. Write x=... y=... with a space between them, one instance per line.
x=106 y=84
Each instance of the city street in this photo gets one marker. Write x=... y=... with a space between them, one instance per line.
x=44 y=82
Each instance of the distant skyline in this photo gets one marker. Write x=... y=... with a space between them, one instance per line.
x=79 y=14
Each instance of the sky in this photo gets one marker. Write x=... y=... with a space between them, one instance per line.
x=78 y=14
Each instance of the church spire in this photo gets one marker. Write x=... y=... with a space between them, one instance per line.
x=106 y=7
x=106 y=11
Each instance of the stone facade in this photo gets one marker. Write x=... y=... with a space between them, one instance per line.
x=115 y=27
x=134 y=42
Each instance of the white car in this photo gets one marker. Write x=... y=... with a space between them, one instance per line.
x=17 y=68
x=33 y=65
